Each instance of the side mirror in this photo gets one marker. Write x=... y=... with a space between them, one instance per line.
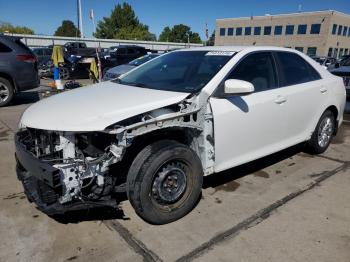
x=235 y=86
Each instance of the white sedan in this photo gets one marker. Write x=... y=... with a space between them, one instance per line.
x=157 y=130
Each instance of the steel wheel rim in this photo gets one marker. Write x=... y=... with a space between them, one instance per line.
x=170 y=183
x=4 y=92
x=64 y=74
x=325 y=132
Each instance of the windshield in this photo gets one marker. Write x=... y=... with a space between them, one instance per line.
x=346 y=62
x=180 y=71
x=141 y=60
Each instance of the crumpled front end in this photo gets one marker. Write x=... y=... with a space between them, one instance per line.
x=63 y=171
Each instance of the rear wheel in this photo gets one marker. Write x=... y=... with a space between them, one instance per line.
x=164 y=182
x=6 y=92
x=322 y=136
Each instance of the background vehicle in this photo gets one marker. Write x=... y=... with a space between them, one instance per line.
x=18 y=68
x=344 y=72
x=78 y=49
x=122 y=69
x=324 y=61
x=43 y=54
x=157 y=130
x=125 y=53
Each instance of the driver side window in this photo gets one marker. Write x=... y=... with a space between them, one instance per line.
x=258 y=69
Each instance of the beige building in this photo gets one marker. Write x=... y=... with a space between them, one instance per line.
x=322 y=33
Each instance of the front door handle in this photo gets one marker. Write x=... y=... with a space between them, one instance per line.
x=280 y=100
x=323 y=90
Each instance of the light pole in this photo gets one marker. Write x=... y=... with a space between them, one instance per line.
x=80 y=19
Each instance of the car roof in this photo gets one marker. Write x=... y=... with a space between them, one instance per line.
x=239 y=48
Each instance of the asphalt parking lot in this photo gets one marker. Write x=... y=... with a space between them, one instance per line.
x=289 y=206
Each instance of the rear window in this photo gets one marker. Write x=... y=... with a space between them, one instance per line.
x=4 y=48
x=294 y=69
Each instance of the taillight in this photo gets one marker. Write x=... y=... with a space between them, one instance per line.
x=26 y=58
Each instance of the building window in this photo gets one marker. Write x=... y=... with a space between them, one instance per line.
x=222 y=31
x=311 y=51
x=267 y=30
x=340 y=28
x=302 y=29
x=330 y=52
x=278 y=30
x=335 y=53
x=346 y=51
x=248 y=31
x=289 y=29
x=345 y=31
x=315 y=29
x=334 y=30
x=239 y=31
x=300 y=49
x=257 y=30
x=341 y=52
x=230 y=31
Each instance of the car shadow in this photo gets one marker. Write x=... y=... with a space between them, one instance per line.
x=224 y=177
x=23 y=98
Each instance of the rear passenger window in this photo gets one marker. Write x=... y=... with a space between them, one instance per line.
x=257 y=69
x=4 y=48
x=293 y=69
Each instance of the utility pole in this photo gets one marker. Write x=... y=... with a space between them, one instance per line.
x=80 y=19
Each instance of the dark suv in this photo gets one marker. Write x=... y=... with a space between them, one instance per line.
x=18 y=68
x=125 y=53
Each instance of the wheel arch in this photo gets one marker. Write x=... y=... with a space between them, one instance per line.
x=9 y=78
x=335 y=113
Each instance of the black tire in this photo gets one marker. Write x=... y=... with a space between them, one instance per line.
x=6 y=92
x=167 y=160
x=314 y=146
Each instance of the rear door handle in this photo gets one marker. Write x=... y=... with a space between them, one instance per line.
x=323 y=90
x=280 y=100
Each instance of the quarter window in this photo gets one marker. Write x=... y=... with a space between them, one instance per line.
x=278 y=30
x=230 y=31
x=334 y=29
x=267 y=30
x=257 y=30
x=315 y=29
x=222 y=31
x=289 y=29
x=257 y=69
x=248 y=31
x=302 y=29
x=293 y=69
x=239 y=31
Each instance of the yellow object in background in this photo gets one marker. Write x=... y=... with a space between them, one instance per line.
x=94 y=69
x=57 y=55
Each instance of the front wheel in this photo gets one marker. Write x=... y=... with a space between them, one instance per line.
x=164 y=182
x=323 y=134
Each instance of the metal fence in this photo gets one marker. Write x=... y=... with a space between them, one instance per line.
x=41 y=40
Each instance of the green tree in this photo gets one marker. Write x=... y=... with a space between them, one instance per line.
x=179 y=33
x=9 y=28
x=123 y=24
x=67 y=29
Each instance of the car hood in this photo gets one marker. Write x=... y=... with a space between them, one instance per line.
x=95 y=107
x=121 y=69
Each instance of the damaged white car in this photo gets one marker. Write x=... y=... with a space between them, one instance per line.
x=157 y=130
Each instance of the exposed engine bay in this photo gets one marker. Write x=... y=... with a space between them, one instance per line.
x=84 y=163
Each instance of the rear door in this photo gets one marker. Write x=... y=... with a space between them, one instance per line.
x=305 y=96
x=249 y=126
